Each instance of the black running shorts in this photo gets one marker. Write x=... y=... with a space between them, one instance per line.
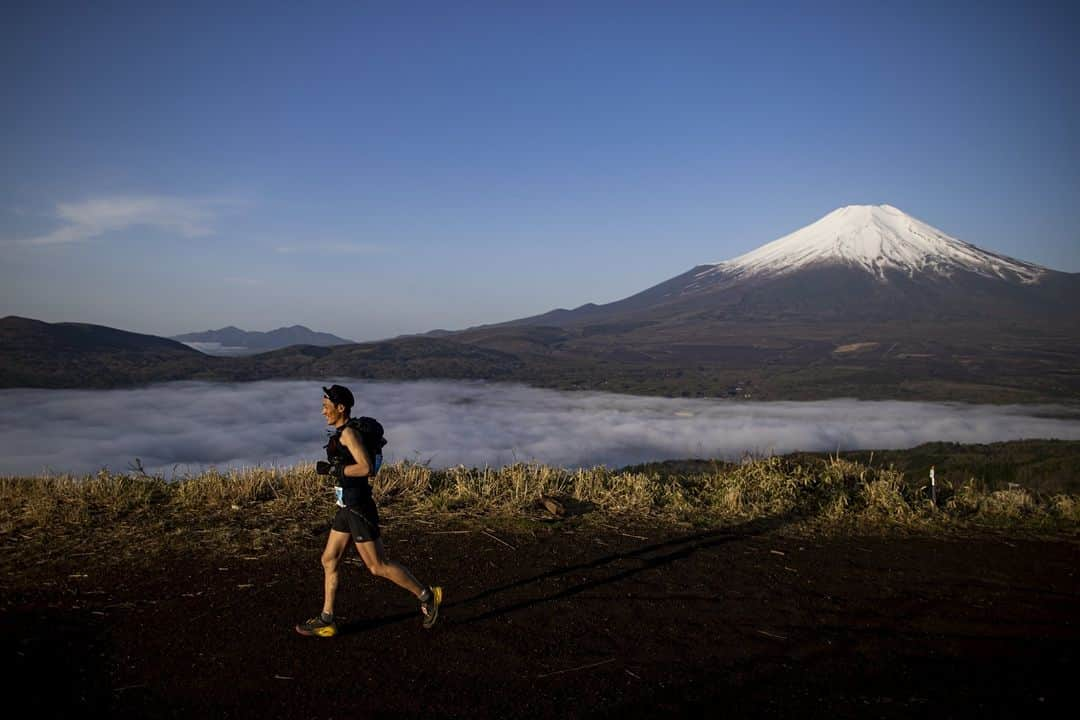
x=361 y=521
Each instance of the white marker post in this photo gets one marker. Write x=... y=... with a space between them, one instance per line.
x=933 y=486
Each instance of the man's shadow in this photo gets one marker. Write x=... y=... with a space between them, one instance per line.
x=648 y=557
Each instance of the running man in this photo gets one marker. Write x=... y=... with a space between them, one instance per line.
x=357 y=516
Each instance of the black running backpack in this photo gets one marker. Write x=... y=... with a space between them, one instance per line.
x=371 y=437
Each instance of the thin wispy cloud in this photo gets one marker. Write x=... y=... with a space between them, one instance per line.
x=185 y=427
x=99 y=216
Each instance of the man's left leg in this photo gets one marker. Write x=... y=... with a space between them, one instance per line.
x=374 y=556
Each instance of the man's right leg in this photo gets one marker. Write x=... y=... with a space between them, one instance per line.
x=323 y=625
x=331 y=561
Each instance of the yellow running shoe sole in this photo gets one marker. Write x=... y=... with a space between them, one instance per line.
x=330 y=631
x=429 y=620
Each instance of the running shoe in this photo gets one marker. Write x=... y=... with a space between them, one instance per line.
x=430 y=608
x=317 y=626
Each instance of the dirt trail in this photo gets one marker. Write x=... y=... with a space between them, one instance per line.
x=751 y=622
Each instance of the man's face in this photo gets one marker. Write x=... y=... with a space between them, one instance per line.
x=331 y=412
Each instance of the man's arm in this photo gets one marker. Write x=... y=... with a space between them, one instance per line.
x=362 y=467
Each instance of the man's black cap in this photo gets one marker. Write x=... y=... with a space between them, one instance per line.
x=339 y=395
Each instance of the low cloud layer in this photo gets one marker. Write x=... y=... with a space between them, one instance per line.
x=185 y=427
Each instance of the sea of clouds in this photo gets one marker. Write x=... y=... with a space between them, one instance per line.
x=181 y=428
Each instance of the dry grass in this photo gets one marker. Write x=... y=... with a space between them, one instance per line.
x=832 y=493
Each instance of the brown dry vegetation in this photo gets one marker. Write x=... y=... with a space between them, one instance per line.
x=255 y=507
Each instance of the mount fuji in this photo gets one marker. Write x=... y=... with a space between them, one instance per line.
x=866 y=295
x=857 y=262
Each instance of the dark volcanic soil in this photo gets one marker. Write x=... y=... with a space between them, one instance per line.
x=736 y=622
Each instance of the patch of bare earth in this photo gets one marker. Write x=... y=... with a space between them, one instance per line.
x=753 y=620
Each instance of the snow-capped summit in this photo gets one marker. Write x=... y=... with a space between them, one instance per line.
x=876 y=238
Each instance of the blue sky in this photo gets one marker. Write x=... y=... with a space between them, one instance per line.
x=371 y=169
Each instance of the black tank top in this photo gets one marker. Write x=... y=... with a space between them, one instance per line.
x=354 y=490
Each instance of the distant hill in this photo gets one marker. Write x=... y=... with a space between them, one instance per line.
x=76 y=355
x=79 y=355
x=232 y=340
